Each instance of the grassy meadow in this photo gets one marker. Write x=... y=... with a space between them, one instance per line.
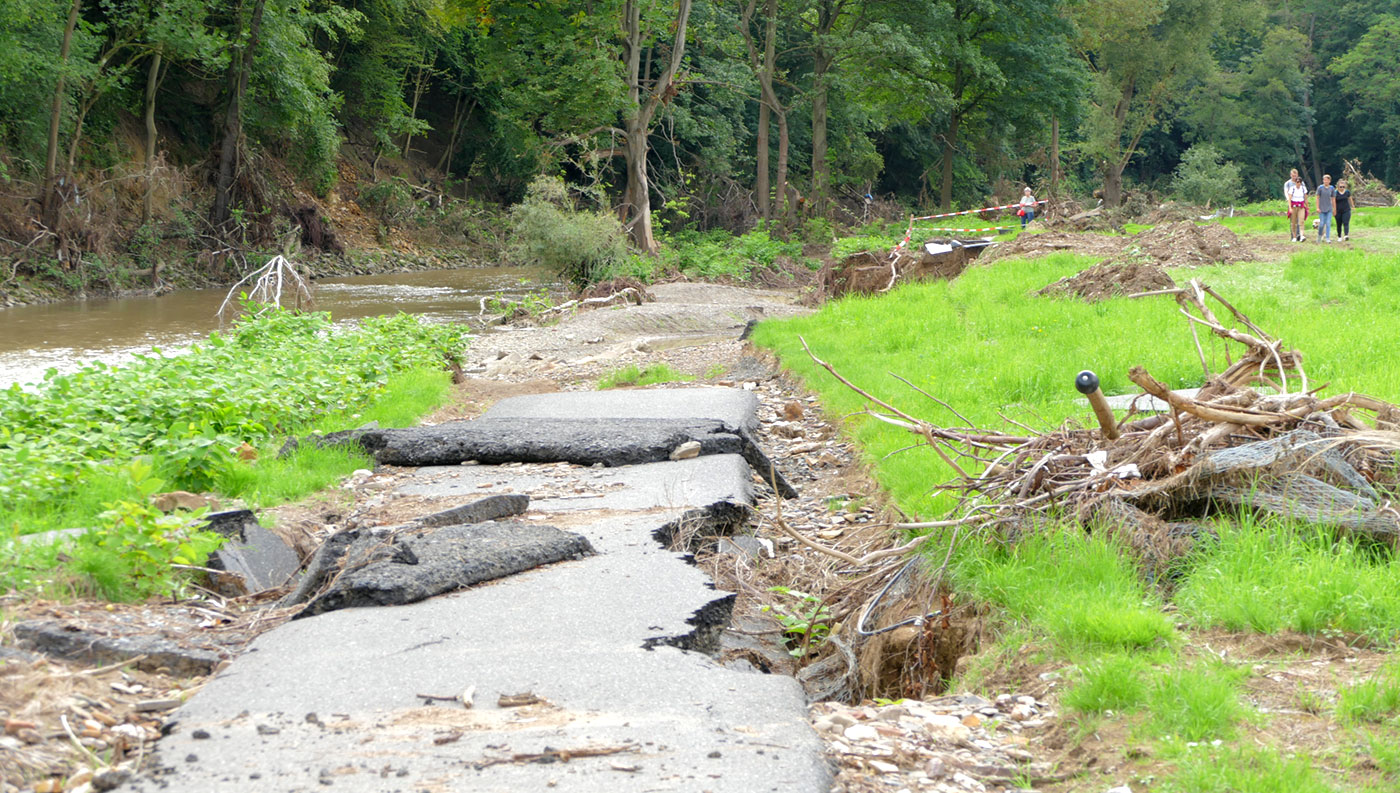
x=1130 y=650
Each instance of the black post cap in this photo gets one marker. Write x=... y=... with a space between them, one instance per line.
x=1086 y=382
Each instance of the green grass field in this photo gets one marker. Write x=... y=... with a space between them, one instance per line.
x=995 y=352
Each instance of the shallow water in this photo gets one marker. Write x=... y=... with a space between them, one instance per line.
x=65 y=336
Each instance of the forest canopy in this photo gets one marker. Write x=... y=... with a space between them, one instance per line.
x=705 y=114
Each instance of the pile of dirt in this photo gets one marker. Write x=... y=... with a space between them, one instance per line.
x=872 y=272
x=1172 y=213
x=1106 y=280
x=1184 y=244
x=1043 y=244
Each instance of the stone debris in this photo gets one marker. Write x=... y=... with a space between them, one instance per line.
x=952 y=744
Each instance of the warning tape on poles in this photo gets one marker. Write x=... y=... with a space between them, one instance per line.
x=973 y=211
x=988 y=228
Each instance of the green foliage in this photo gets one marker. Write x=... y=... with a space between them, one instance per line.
x=634 y=375
x=1374 y=699
x=1115 y=681
x=1204 y=177
x=1274 y=575
x=547 y=228
x=129 y=555
x=1076 y=588
x=806 y=620
x=1195 y=703
x=267 y=376
x=1245 y=770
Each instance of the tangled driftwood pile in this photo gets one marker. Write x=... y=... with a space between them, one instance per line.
x=1256 y=437
x=1366 y=189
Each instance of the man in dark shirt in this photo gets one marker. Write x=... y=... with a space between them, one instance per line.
x=1326 y=204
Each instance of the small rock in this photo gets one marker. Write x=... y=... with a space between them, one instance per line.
x=842 y=719
x=946 y=728
x=110 y=779
x=826 y=726
x=29 y=736
x=860 y=732
x=1119 y=789
x=1021 y=713
x=972 y=720
x=200 y=735
x=935 y=768
x=686 y=451
x=267 y=729
x=968 y=783
x=883 y=767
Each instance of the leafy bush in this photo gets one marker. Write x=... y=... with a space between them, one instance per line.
x=1205 y=177
x=548 y=229
x=266 y=376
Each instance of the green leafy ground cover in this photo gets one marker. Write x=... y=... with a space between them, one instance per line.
x=992 y=350
x=87 y=449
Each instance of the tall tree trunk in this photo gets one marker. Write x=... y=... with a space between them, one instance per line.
x=459 y=118
x=1054 y=156
x=639 y=186
x=239 y=69
x=763 y=189
x=49 y=202
x=152 y=81
x=417 y=94
x=1113 y=183
x=645 y=97
x=950 y=143
x=780 y=185
x=820 y=173
x=772 y=202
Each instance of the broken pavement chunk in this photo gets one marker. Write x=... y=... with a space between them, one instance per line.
x=444 y=560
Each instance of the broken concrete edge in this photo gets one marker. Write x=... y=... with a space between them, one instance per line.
x=698 y=527
x=339 y=438
x=150 y=653
x=407 y=567
x=479 y=511
x=709 y=621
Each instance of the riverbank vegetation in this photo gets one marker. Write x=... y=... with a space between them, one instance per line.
x=147 y=145
x=1159 y=662
x=90 y=448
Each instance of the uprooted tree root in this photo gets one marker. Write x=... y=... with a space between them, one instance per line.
x=1231 y=448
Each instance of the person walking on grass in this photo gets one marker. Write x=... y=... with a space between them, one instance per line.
x=1296 y=193
x=1027 y=210
x=1326 y=205
x=1345 y=204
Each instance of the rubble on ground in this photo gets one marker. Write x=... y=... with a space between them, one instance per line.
x=951 y=744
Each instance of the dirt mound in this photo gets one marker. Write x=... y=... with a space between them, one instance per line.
x=1045 y=243
x=1184 y=244
x=1103 y=281
x=869 y=272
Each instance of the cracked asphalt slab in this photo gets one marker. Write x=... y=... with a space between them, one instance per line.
x=606 y=657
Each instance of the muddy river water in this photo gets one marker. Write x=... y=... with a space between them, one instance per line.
x=64 y=336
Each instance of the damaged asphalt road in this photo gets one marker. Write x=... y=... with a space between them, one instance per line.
x=590 y=673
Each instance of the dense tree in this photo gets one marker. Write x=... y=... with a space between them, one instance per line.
x=689 y=111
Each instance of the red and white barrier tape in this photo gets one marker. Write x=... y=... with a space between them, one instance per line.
x=988 y=228
x=972 y=211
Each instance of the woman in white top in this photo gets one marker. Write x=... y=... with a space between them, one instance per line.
x=1027 y=211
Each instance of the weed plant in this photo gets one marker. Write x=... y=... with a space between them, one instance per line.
x=1195 y=703
x=1246 y=770
x=1079 y=590
x=1272 y=575
x=1375 y=699
x=632 y=374
x=1111 y=682
x=64 y=445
